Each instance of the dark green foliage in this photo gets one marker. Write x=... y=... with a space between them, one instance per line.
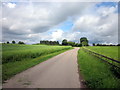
x=106 y=45
x=93 y=44
x=84 y=41
x=49 y=42
x=20 y=42
x=71 y=43
x=64 y=42
x=80 y=45
x=13 y=42
x=118 y=45
x=8 y=42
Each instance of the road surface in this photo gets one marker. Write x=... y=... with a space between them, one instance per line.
x=60 y=71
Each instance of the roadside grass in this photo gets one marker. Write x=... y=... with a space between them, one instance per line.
x=12 y=68
x=97 y=74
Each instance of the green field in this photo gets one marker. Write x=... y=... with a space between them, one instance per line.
x=110 y=51
x=16 y=58
x=13 y=53
x=97 y=74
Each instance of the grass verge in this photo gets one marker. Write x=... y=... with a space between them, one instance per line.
x=12 y=68
x=96 y=73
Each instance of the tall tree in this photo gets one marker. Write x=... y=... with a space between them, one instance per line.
x=84 y=41
x=13 y=42
x=93 y=44
x=64 y=42
x=8 y=42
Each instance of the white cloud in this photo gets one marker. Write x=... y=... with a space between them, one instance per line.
x=40 y=17
x=86 y=22
x=36 y=21
x=104 y=11
x=99 y=27
x=57 y=35
x=11 y=5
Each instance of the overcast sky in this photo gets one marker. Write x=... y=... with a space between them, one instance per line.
x=34 y=21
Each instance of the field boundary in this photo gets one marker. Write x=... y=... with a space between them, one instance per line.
x=113 y=61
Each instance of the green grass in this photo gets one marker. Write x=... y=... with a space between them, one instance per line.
x=110 y=51
x=17 y=52
x=12 y=67
x=96 y=73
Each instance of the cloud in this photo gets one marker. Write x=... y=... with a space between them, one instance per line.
x=10 y=5
x=99 y=27
x=39 y=17
x=85 y=22
x=57 y=35
x=32 y=22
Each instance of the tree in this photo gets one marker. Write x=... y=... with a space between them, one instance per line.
x=13 y=42
x=49 y=42
x=20 y=42
x=84 y=41
x=98 y=44
x=64 y=42
x=71 y=43
x=76 y=45
x=8 y=42
x=57 y=43
x=80 y=45
x=93 y=44
x=118 y=45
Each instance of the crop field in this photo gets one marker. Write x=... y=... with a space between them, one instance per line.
x=18 y=52
x=16 y=58
x=96 y=73
x=110 y=51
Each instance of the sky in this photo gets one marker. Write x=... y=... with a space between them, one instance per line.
x=34 y=21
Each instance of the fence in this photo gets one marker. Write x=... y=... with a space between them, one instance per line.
x=109 y=60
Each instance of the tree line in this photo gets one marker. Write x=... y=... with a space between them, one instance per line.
x=70 y=43
x=13 y=42
x=105 y=44
x=83 y=42
x=49 y=42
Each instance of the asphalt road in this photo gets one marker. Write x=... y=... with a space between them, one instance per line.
x=60 y=71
